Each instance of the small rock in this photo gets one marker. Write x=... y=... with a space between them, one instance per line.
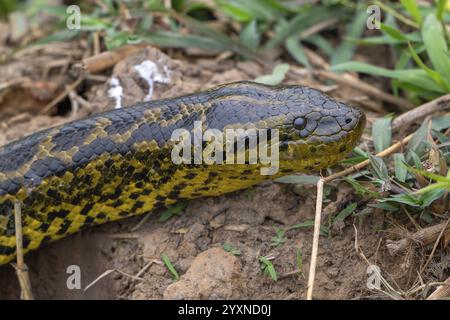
x=214 y=274
x=155 y=243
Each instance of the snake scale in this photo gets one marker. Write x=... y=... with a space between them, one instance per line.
x=117 y=164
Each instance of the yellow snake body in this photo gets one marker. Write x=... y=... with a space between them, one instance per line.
x=118 y=164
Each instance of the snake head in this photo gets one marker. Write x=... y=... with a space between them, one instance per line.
x=317 y=131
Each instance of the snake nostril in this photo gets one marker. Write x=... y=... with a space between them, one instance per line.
x=348 y=120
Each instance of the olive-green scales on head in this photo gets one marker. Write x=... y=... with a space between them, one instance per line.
x=118 y=164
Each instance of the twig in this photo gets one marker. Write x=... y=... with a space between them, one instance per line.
x=21 y=268
x=441 y=292
x=315 y=245
x=318 y=27
x=107 y=272
x=124 y=236
x=364 y=163
x=148 y=265
x=107 y=59
x=320 y=183
x=445 y=229
x=322 y=70
x=423 y=237
x=437 y=105
x=62 y=95
x=368 y=89
x=140 y=223
x=392 y=293
x=290 y=273
x=13 y=82
x=399 y=16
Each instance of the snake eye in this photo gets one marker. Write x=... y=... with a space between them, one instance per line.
x=299 y=123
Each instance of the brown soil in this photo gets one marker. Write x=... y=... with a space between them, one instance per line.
x=244 y=221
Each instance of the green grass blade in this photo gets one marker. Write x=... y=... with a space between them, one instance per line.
x=440 y=8
x=400 y=168
x=344 y=52
x=250 y=36
x=170 y=39
x=393 y=32
x=347 y=211
x=295 y=48
x=417 y=77
x=433 y=74
x=299 y=23
x=381 y=134
x=434 y=39
x=413 y=10
x=322 y=43
x=277 y=76
x=170 y=266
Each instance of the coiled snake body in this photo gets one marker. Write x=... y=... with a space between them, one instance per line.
x=118 y=164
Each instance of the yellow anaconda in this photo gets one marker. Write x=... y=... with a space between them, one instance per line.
x=118 y=164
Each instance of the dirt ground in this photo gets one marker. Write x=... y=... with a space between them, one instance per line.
x=194 y=240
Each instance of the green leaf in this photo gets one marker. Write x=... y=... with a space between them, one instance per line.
x=386 y=39
x=392 y=32
x=61 y=35
x=299 y=259
x=229 y=248
x=248 y=193
x=170 y=267
x=415 y=158
x=250 y=35
x=208 y=33
x=401 y=170
x=382 y=134
x=346 y=212
x=344 y=52
x=432 y=194
x=433 y=74
x=433 y=176
x=360 y=152
x=169 y=39
x=426 y=216
x=279 y=239
x=434 y=39
x=277 y=76
x=309 y=224
x=295 y=48
x=172 y=210
x=440 y=123
x=384 y=206
x=301 y=22
x=321 y=42
x=404 y=198
x=417 y=143
x=268 y=267
x=440 y=8
x=379 y=167
x=246 y=10
x=360 y=189
x=413 y=10
x=417 y=77
x=237 y=13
